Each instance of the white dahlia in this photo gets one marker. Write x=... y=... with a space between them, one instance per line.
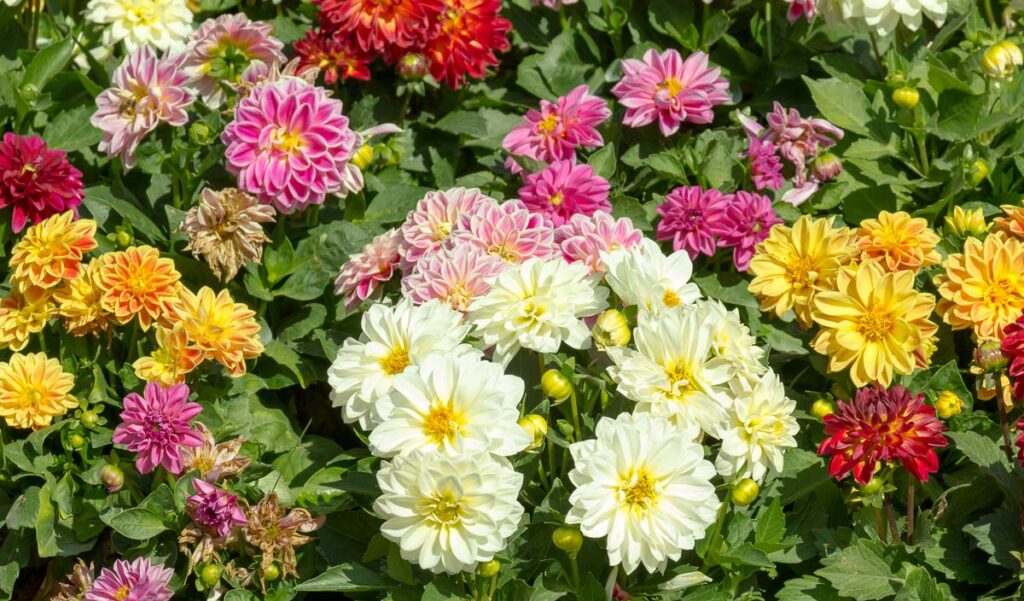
x=884 y=16
x=448 y=513
x=644 y=276
x=645 y=485
x=732 y=341
x=162 y=24
x=761 y=427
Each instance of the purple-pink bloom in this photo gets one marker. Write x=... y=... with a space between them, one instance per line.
x=214 y=509
x=145 y=92
x=798 y=140
x=564 y=189
x=509 y=231
x=765 y=164
x=223 y=48
x=289 y=144
x=36 y=181
x=364 y=272
x=747 y=220
x=801 y=8
x=428 y=227
x=583 y=238
x=156 y=425
x=454 y=275
x=667 y=88
x=689 y=217
x=555 y=131
x=139 y=580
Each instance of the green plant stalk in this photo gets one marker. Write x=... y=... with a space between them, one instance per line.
x=910 y=510
x=578 y=433
x=768 y=29
x=542 y=475
x=575 y=567
x=922 y=151
x=989 y=15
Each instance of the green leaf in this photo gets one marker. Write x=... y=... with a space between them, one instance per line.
x=920 y=586
x=986 y=454
x=807 y=588
x=999 y=535
x=71 y=131
x=736 y=294
x=46 y=537
x=349 y=577
x=771 y=524
x=99 y=200
x=842 y=103
x=48 y=62
x=285 y=356
x=136 y=523
x=860 y=572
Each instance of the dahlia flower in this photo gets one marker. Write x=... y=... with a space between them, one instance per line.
x=644 y=485
x=642 y=275
x=454 y=276
x=553 y=3
x=393 y=339
x=797 y=139
x=226 y=331
x=1012 y=347
x=449 y=513
x=801 y=8
x=289 y=144
x=555 y=131
x=966 y=223
x=690 y=216
x=225 y=230
x=665 y=87
x=276 y=531
x=509 y=231
x=537 y=305
x=765 y=165
x=759 y=429
x=138 y=281
x=378 y=27
x=582 y=238
x=897 y=241
x=364 y=272
x=214 y=461
x=882 y=425
x=429 y=226
x=138 y=580
x=982 y=287
x=223 y=48
x=563 y=189
x=746 y=221
x=334 y=54
x=173 y=358
x=35 y=181
x=23 y=314
x=469 y=34
x=732 y=341
x=162 y=24
x=1010 y=223
x=34 y=389
x=884 y=16
x=77 y=583
x=80 y=302
x=156 y=426
x=51 y=251
x=214 y=509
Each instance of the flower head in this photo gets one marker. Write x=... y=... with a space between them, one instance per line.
x=884 y=16
x=221 y=50
x=429 y=226
x=454 y=276
x=732 y=341
x=665 y=87
x=898 y=241
x=364 y=272
x=469 y=34
x=801 y=8
x=765 y=165
x=642 y=275
x=966 y=222
x=1012 y=347
x=226 y=230
x=334 y=54
x=51 y=251
x=80 y=302
x=138 y=580
x=34 y=390
x=563 y=189
x=882 y=425
x=799 y=139
x=380 y=26
x=225 y=330
x=276 y=532
x=137 y=281
x=172 y=360
x=983 y=287
x=1010 y=223
x=214 y=509
x=509 y=231
x=162 y=24
x=77 y=583
x=214 y=461
x=23 y=314
x=760 y=428
x=35 y=181
x=746 y=221
x=690 y=217
x=582 y=238
x=156 y=425
x=555 y=131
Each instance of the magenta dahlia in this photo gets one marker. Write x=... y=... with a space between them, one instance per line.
x=690 y=216
x=765 y=165
x=36 y=182
x=156 y=426
x=214 y=509
x=138 y=580
x=555 y=131
x=747 y=220
x=564 y=189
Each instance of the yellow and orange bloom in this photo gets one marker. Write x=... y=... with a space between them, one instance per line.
x=873 y=322
x=794 y=264
x=983 y=287
x=965 y=223
x=224 y=330
x=51 y=251
x=34 y=390
x=1012 y=223
x=172 y=360
x=80 y=302
x=898 y=241
x=23 y=314
x=137 y=281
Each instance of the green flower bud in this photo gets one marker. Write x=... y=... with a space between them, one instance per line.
x=906 y=97
x=555 y=385
x=77 y=441
x=873 y=487
x=822 y=407
x=90 y=419
x=112 y=477
x=210 y=574
x=271 y=572
x=567 y=539
x=745 y=492
x=489 y=569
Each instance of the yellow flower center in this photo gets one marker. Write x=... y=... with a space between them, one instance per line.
x=670 y=299
x=557 y=199
x=672 y=85
x=122 y=593
x=458 y=297
x=395 y=362
x=446 y=509
x=548 y=124
x=509 y=255
x=1002 y=292
x=442 y=423
x=681 y=381
x=638 y=492
x=801 y=272
x=203 y=463
x=444 y=229
x=875 y=324
x=142 y=11
x=286 y=141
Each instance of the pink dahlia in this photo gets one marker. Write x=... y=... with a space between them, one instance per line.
x=36 y=182
x=798 y=139
x=690 y=216
x=765 y=165
x=156 y=426
x=555 y=131
x=801 y=8
x=214 y=509
x=509 y=231
x=289 y=144
x=138 y=580
x=223 y=48
x=366 y=271
x=429 y=226
x=454 y=275
x=747 y=219
x=584 y=237
x=145 y=92
x=669 y=89
x=553 y=3
x=564 y=189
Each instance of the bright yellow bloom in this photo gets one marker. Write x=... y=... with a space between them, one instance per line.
x=983 y=287
x=1013 y=223
x=52 y=250
x=223 y=329
x=80 y=302
x=966 y=223
x=172 y=359
x=874 y=322
x=23 y=314
x=793 y=264
x=898 y=241
x=33 y=390
x=137 y=281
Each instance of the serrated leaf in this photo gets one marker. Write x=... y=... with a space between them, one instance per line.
x=71 y=130
x=860 y=572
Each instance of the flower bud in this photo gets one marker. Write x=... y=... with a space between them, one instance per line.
x=112 y=477
x=123 y=239
x=271 y=572
x=200 y=133
x=29 y=92
x=77 y=441
x=966 y=222
x=873 y=486
x=412 y=67
x=489 y=569
x=822 y=407
x=210 y=574
x=611 y=330
x=90 y=419
x=745 y=492
x=555 y=385
x=363 y=157
x=537 y=427
x=948 y=404
x=906 y=97
x=977 y=173
x=1001 y=59
x=989 y=357
x=567 y=539
x=826 y=166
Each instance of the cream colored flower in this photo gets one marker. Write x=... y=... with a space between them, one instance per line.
x=644 y=276
x=162 y=24
x=761 y=427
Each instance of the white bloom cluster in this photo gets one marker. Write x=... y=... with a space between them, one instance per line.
x=884 y=16
x=162 y=24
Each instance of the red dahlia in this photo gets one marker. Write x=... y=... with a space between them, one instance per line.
x=1019 y=443
x=470 y=33
x=380 y=25
x=1013 y=349
x=333 y=54
x=882 y=425
x=36 y=182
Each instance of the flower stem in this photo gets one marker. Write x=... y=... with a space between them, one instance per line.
x=542 y=475
x=892 y=518
x=575 y=567
x=578 y=433
x=989 y=15
x=883 y=534
x=874 y=49
x=768 y=29
x=911 y=486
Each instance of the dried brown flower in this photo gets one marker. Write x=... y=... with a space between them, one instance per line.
x=226 y=230
x=277 y=531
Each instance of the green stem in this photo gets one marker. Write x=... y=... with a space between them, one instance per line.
x=989 y=15
x=768 y=29
x=922 y=152
x=874 y=49
x=715 y=542
x=910 y=510
x=575 y=567
x=542 y=475
x=578 y=433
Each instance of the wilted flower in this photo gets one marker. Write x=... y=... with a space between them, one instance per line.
x=162 y=24
x=563 y=189
x=364 y=272
x=765 y=165
x=555 y=131
x=35 y=181
x=214 y=461
x=223 y=48
x=156 y=426
x=225 y=229
x=214 y=509
x=138 y=580
x=277 y=532
x=34 y=389
x=77 y=583
x=690 y=216
x=51 y=251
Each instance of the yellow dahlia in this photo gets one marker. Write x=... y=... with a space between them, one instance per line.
x=873 y=322
x=80 y=302
x=33 y=390
x=137 y=281
x=983 y=287
x=898 y=241
x=966 y=223
x=52 y=250
x=23 y=314
x=172 y=359
x=224 y=330
x=793 y=264
x=1012 y=223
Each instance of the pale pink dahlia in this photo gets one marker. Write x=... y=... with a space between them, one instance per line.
x=555 y=131
x=454 y=275
x=289 y=144
x=747 y=220
x=145 y=92
x=366 y=271
x=430 y=224
x=765 y=165
x=35 y=181
x=223 y=48
x=156 y=426
x=689 y=217
x=667 y=88
x=798 y=139
x=214 y=509
x=584 y=237
x=509 y=231
x=553 y=3
x=138 y=580
x=564 y=189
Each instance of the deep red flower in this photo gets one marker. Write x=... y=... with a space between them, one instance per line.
x=334 y=54
x=470 y=32
x=36 y=182
x=882 y=425
x=381 y=25
x=1012 y=347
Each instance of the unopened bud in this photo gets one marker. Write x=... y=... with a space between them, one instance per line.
x=611 y=330
x=112 y=477
x=906 y=97
x=567 y=539
x=555 y=385
x=822 y=407
x=200 y=133
x=745 y=492
x=489 y=569
x=363 y=157
x=872 y=487
x=989 y=357
x=1001 y=59
x=412 y=67
x=977 y=173
x=537 y=427
x=826 y=166
x=948 y=404
x=123 y=239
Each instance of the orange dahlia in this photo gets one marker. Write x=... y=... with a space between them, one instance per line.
x=898 y=241
x=137 y=281
x=172 y=360
x=224 y=330
x=52 y=250
x=80 y=302
x=23 y=314
x=1012 y=223
x=983 y=287
x=380 y=26
x=470 y=33
x=33 y=390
